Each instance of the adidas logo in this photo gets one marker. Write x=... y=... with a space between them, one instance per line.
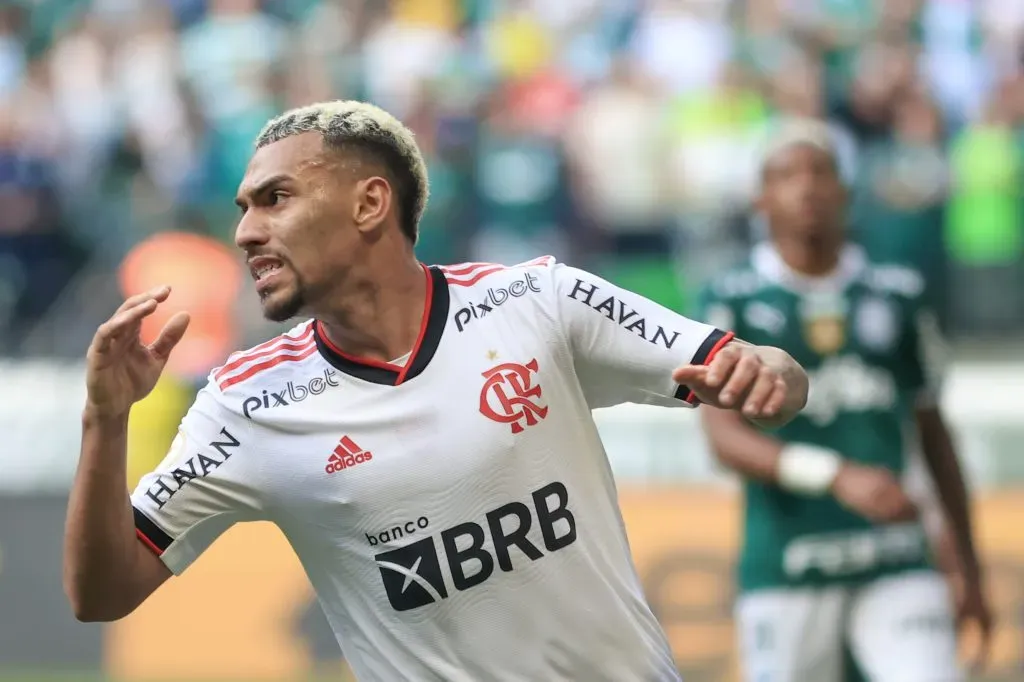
x=346 y=454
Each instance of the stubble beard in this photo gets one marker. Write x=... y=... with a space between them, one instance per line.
x=282 y=308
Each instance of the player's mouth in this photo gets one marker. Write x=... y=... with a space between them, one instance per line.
x=265 y=270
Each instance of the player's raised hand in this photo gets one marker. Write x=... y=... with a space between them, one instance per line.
x=748 y=379
x=874 y=493
x=120 y=369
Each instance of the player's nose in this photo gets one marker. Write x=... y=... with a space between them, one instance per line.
x=250 y=231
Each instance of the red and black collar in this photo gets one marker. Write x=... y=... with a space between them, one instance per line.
x=435 y=315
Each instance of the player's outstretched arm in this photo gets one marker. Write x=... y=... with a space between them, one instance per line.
x=766 y=385
x=107 y=571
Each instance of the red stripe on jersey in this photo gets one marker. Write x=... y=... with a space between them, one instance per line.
x=148 y=543
x=465 y=268
x=284 y=342
x=276 y=339
x=469 y=274
x=268 y=348
x=476 y=276
x=729 y=336
x=543 y=260
x=307 y=350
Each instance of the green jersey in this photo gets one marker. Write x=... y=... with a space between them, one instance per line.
x=865 y=336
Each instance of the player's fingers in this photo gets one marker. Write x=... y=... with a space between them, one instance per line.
x=742 y=379
x=170 y=335
x=777 y=399
x=757 y=397
x=722 y=365
x=116 y=326
x=690 y=375
x=159 y=294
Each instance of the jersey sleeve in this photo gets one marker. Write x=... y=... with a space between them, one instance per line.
x=625 y=346
x=199 y=490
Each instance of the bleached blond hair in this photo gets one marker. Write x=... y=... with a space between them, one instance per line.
x=349 y=124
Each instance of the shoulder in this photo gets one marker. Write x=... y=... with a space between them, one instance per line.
x=484 y=275
x=263 y=363
x=476 y=289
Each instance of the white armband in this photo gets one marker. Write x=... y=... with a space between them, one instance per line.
x=807 y=469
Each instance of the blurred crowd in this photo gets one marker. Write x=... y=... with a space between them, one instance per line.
x=617 y=134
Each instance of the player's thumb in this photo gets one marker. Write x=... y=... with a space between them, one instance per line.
x=170 y=335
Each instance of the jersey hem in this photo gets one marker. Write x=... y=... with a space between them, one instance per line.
x=150 y=534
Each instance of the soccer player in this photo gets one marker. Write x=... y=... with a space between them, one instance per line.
x=834 y=554
x=424 y=441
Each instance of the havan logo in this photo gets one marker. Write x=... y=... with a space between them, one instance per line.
x=619 y=312
x=168 y=484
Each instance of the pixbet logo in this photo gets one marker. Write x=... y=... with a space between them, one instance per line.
x=412 y=574
x=290 y=394
x=509 y=395
x=494 y=298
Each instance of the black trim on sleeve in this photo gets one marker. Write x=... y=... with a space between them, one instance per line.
x=682 y=392
x=152 y=532
x=706 y=353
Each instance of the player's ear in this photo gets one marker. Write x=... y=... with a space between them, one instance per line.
x=372 y=203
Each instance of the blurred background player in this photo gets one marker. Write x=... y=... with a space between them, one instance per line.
x=834 y=553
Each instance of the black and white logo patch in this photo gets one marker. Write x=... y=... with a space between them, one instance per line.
x=412 y=575
x=473 y=552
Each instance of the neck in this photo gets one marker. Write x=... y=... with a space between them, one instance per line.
x=813 y=257
x=379 y=314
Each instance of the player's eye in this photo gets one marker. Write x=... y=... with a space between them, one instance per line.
x=276 y=197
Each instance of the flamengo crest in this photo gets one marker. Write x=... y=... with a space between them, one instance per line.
x=509 y=395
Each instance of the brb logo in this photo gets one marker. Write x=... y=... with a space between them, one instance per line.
x=509 y=395
x=412 y=574
x=494 y=298
x=291 y=394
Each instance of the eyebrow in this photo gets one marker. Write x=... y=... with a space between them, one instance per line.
x=262 y=187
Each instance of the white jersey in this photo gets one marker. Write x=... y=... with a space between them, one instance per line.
x=456 y=514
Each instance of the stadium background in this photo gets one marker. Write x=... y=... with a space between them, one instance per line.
x=616 y=134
